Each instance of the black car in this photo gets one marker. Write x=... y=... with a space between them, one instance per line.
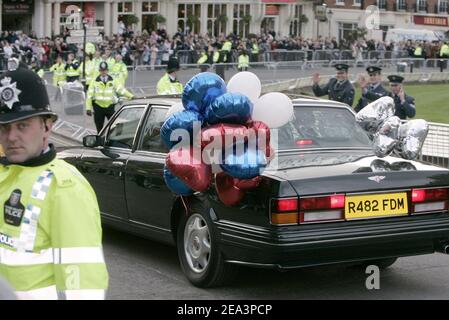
x=324 y=199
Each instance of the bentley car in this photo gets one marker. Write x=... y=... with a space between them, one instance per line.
x=324 y=199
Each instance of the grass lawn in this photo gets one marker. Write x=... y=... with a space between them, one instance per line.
x=432 y=101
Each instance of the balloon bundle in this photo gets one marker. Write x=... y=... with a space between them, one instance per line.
x=388 y=133
x=221 y=131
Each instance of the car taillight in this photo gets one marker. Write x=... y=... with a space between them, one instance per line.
x=304 y=142
x=430 y=200
x=321 y=209
x=284 y=211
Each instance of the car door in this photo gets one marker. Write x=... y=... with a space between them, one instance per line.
x=104 y=166
x=149 y=200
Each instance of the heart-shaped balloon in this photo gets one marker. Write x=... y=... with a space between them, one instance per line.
x=187 y=165
x=229 y=108
x=243 y=162
x=226 y=191
x=374 y=114
x=175 y=184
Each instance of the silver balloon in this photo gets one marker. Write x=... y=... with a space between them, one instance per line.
x=411 y=138
x=371 y=117
x=385 y=139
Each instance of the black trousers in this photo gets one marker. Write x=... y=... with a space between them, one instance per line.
x=100 y=113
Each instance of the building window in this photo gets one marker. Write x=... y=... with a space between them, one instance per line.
x=241 y=19
x=382 y=4
x=189 y=17
x=295 y=25
x=442 y=6
x=421 y=5
x=401 y=5
x=346 y=30
x=216 y=19
x=125 y=7
x=150 y=7
x=340 y=2
x=357 y=3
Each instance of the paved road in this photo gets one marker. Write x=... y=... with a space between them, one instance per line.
x=143 y=269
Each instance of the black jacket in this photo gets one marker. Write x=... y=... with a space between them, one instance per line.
x=342 y=93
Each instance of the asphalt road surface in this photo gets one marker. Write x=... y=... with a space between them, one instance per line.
x=144 y=269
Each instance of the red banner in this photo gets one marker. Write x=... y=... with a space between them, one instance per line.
x=271 y=10
x=279 y=1
x=431 y=21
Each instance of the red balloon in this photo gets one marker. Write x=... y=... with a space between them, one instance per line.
x=227 y=192
x=261 y=130
x=270 y=153
x=187 y=165
x=247 y=184
x=227 y=133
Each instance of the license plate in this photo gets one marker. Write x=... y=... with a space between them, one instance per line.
x=376 y=205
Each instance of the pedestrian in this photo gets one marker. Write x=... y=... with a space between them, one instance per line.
x=243 y=60
x=102 y=96
x=372 y=90
x=403 y=103
x=338 y=88
x=50 y=227
x=169 y=83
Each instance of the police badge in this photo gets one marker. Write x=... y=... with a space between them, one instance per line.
x=13 y=210
x=9 y=94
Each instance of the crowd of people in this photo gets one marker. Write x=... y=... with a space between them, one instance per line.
x=155 y=48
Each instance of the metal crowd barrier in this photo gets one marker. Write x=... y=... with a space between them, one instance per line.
x=436 y=146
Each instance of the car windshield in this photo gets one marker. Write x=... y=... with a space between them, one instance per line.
x=321 y=127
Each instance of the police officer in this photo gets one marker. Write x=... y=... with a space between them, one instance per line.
x=169 y=83
x=50 y=229
x=243 y=60
x=204 y=60
x=72 y=68
x=58 y=70
x=102 y=96
x=404 y=104
x=119 y=70
x=372 y=91
x=338 y=88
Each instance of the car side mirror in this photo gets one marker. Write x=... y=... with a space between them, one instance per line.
x=93 y=141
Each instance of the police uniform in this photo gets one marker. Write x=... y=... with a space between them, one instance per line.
x=50 y=229
x=167 y=85
x=204 y=60
x=403 y=110
x=342 y=91
x=372 y=92
x=72 y=71
x=102 y=97
x=243 y=61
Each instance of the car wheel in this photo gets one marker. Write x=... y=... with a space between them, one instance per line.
x=198 y=250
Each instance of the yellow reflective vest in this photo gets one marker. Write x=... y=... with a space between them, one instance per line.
x=90 y=48
x=418 y=52
x=119 y=71
x=166 y=86
x=243 y=61
x=90 y=71
x=444 y=51
x=105 y=94
x=72 y=69
x=58 y=70
x=50 y=233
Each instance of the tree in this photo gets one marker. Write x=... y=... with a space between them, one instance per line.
x=129 y=19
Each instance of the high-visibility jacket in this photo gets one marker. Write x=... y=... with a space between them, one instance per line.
x=255 y=48
x=40 y=72
x=227 y=46
x=110 y=61
x=72 y=69
x=166 y=86
x=50 y=233
x=203 y=59
x=90 y=48
x=418 y=52
x=444 y=51
x=243 y=61
x=105 y=94
x=119 y=71
x=58 y=70
x=90 y=71
x=219 y=57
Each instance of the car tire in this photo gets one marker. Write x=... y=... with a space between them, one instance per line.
x=198 y=250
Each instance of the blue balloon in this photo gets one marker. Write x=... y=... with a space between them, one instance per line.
x=231 y=107
x=175 y=184
x=242 y=162
x=202 y=90
x=180 y=120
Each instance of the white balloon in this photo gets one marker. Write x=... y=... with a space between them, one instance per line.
x=275 y=109
x=246 y=83
x=177 y=107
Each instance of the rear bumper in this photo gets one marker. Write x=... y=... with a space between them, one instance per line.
x=311 y=245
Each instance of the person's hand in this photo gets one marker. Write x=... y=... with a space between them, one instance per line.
x=316 y=78
x=401 y=95
x=362 y=82
x=89 y=113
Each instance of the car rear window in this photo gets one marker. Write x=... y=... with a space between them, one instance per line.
x=321 y=127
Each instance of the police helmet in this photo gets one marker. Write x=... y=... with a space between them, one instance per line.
x=173 y=65
x=23 y=95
